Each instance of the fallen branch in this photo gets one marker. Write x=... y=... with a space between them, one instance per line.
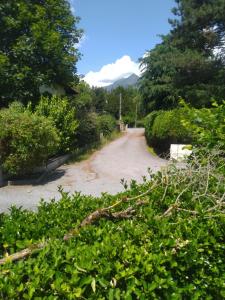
x=104 y=213
x=92 y=218
x=22 y=254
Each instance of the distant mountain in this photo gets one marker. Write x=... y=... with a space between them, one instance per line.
x=124 y=82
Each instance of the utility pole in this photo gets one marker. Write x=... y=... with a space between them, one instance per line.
x=120 y=108
x=136 y=111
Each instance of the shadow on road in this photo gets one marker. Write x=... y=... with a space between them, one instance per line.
x=52 y=176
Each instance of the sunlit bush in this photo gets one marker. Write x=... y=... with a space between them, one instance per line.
x=26 y=140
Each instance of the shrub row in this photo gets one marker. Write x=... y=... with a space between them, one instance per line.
x=202 y=127
x=90 y=127
x=28 y=137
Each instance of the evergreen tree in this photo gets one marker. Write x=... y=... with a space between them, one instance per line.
x=190 y=62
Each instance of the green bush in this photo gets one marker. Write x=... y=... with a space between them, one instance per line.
x=88 y=131
x=207 y=125
x=63 y=116
x=129 y=120
x=148 y=124
x=26 y=140
x=165 y=127
x=140 y=123
x=107 y=124
x=172 y=247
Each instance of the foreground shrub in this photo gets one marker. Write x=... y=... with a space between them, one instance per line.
x=26 y=140
x=165 y=128
x=63 y=116
x=107 y=124
x=170 y=247
x=88 y=131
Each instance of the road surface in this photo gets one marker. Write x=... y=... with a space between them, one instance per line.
x=125 y=158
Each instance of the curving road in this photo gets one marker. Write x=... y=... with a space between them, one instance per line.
x=125 y=158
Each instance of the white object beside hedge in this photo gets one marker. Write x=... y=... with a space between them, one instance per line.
x=180 y=152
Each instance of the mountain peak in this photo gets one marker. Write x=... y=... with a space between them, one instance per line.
x=124 y=82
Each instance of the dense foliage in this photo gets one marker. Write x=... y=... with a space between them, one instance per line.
x=107 y=124
x=131 y=104
x=207 y=125
x=37 y=48
x=190 y=61
x=172 y=248
x=88 y=131
x=63 y=116
x=26 y=140
x=148 y=124
x=163 y=128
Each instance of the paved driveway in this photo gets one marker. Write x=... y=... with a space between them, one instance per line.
x=126 y=157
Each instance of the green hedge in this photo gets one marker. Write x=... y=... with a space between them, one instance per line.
x=207 y=125
x=152 y=255
x=26 y=140
x=148 y=124
x=107 y=124
x=88 y=132
x=166 y=127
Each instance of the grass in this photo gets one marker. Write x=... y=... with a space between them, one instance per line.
x=152 y=151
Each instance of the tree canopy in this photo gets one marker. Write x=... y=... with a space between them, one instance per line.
x=190 y=61
x=37 y=47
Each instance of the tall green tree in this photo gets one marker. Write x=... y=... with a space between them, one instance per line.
x=190 y=61
x=199 y=24
x=156 y=85
x=37 y=47
x=130 y=97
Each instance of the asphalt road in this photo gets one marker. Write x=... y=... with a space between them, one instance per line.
x=125 y=158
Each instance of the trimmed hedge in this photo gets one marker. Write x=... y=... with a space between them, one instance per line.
x=166 y=127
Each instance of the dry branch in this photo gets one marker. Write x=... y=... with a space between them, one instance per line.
x=89 y=220
x=104 y=213
x=23 y=253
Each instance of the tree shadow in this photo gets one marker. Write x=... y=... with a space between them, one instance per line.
x=51 y=177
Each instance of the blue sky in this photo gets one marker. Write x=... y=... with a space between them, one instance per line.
x=117 y=34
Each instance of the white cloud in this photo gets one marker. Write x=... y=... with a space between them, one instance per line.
x=108 y=74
